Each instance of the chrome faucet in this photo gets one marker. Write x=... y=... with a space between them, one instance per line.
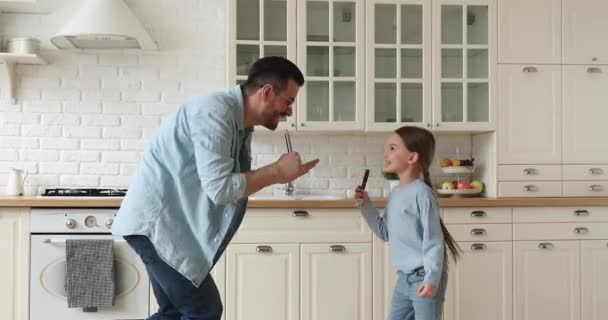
x=289 y=189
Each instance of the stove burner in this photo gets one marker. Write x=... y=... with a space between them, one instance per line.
x=78 y=192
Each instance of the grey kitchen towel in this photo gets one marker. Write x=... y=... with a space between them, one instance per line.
x=89 y=276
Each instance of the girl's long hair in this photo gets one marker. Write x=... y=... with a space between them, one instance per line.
x=422 y=141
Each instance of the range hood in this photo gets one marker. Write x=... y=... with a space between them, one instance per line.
x=103 y=24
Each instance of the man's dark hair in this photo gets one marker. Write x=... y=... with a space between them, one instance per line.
x=274 y=70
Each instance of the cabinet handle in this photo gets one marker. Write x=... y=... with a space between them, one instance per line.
x=337 y=248
x=596 y=171
x=530 y=69
x=478 y=246
x=293 y=125
x=478 y=214
x=302 y=124
x=594 y=70
x=530 y=188
x=263 y=249
x=596 y=187
x=530 y=171
x=300 y=213
x=545 y=245
x=581 y=230
x=580 y=213
x=478 y=232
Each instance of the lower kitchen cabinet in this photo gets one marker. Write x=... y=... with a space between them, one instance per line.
x=14 y=265
x=594 y=279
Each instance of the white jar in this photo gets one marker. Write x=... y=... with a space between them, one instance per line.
x=23 y=45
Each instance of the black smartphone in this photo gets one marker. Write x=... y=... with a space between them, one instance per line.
x=365 y=176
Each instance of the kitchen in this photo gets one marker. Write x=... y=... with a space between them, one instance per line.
x=517 y=85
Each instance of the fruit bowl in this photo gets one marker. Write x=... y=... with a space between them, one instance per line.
x=459 y=192
x=458 y=170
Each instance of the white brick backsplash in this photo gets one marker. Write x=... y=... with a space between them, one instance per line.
x=160 y=85
x=158 y=61
x=141 y=121
x=68 y=83
x=81 y=156
x=121 y=84
x=6 y=106
x=19 y=142
x=42 y=107
x=82 y=181
x=116 y=181
x=176 y=97
x=47 y=180
x=118 y=59
x=93 y=95
x=63 y=119
x=99 y=169
x=29 y=94
x=59 y=143
x=8 y=155
x=101 y=120
x=36 y=82
x=81 y=132
x=127 y=169
x=19 y=118
x=347 y=160
x=29 y=167
x=128 y=133
x=158 y=108
x=38 y=131
x=100 y=144
x=139 y=72
x=57 y=168
x=61 y=94
x=140 y=96
x=121 y=108
x=39 y=155
x=9 y=130
x=97 y=71
x=80 y=107
x=133 y=144
x=329 y=172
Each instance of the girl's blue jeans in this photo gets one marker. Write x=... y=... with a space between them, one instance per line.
x=408 y=306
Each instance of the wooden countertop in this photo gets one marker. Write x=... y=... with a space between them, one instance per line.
x=78 y=202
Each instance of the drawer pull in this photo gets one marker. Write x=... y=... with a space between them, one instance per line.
x=545 y=245
x=263 y=249
x=478 y=246
x=581 y=230
x=595 y=187
x=478 y=232
x=596 y=171
x=530 y=188
x=300 y=213
x=530 y=69
x=478 y=214
x=337 y=248
x=580 y=213
x=594 y=70
x=530 y=171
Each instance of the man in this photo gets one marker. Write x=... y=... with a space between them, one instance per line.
x=189 y=193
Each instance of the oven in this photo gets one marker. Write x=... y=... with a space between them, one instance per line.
x=50 y=228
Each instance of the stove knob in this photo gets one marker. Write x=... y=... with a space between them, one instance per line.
x=109 y=223
x=71 y=223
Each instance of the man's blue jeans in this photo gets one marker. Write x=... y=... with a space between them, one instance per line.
x=177 y=297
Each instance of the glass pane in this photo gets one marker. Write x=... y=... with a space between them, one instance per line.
x=247 y=20
x=451 y=24
x=246 y=55
x=451 y=102
x=477 y=25
x=384 y=26
x=385 y=102
x=386 y=63
x=478 y=102
x=411 y=63
x=344 y=21
x=239 y=82
x=317 y=59
x=317 y=21
x=411 y=24
x=344 y=61
x=317 y=96
x=275 y=20
x=280 y=51
x=411 y=102
x=477 y=63
x=451 y=63
x=345 y=96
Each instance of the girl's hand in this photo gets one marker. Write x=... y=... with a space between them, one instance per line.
x=426 y=291
x=361 y=195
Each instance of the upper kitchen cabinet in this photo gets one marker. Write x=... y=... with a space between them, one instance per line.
x=529 y=31
x=398 y=64
x=330 y=54
x=464 y=65
x=258 y=29
x=584 y=27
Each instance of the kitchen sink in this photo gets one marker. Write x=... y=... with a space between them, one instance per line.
x=296 y=197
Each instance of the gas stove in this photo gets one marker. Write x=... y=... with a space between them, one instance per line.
x=78 y=192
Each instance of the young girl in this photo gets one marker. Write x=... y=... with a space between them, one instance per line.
x=412 y=225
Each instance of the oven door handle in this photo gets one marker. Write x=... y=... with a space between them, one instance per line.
x=62 y=241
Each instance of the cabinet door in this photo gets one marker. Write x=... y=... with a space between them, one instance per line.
x=330 y=54
x=480 y=284
x=585 y=114
x=584 y=31
x=529 y=31
x=262 y=282
x=14 y=270
x=336 y=281
x=594 y=279
x=258 y=29
x=398 y=64
x=529 y=114
x=464 y=65
x=384 y=278
x=546 y=280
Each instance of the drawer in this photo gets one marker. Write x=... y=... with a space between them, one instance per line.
x=560 y=231
x=585 y=188
x=302 y=225
x=480 y=232
x=585 y=172
x=530 y=189
x=530 y=173
x=560 y=214
x=476 y=215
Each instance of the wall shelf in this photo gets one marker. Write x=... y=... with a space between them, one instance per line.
x=9 y=60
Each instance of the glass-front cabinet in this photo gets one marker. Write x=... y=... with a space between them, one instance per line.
x=330 y=54
x=260 y=28
x=398 y=64
x=464 y=65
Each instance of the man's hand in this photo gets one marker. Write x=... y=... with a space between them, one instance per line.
x=290 y=167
